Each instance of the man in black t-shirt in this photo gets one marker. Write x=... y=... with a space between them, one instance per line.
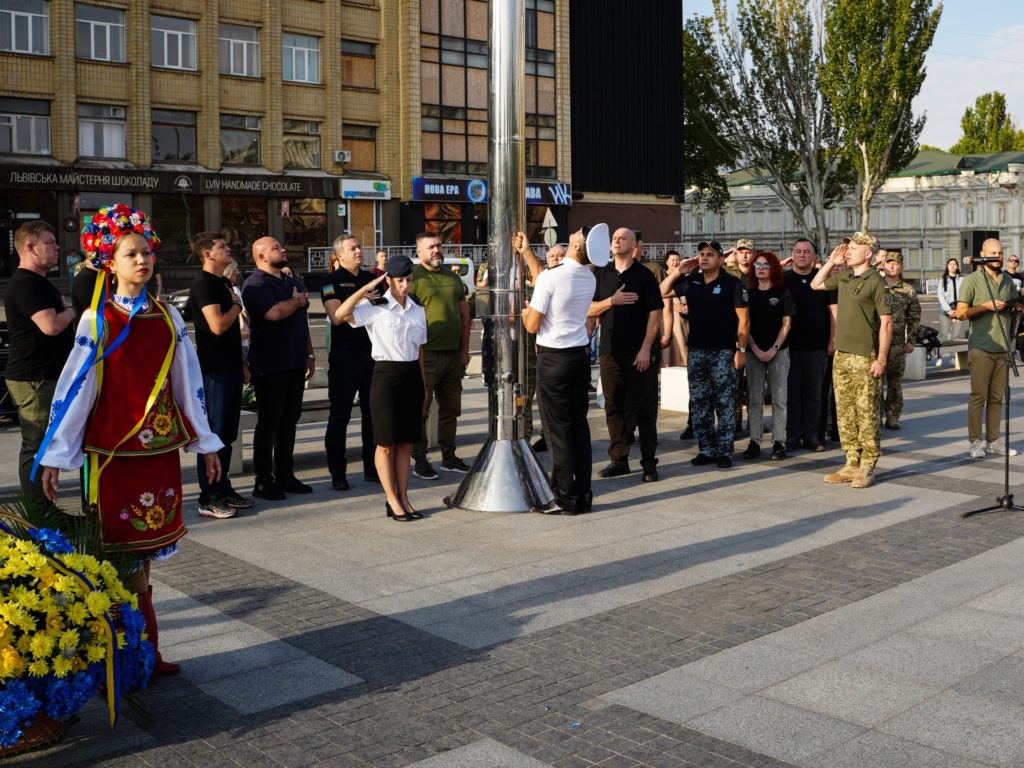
x=215 y=313
x=41 y=336
x=629 y=304
x=810 y=346
x=717 y=347
x=350 y=366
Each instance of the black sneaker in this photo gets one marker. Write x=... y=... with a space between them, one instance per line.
x=235 y=501
x=294 y=485
x=455 y=464
x=424 y=471
x=341 y=484
x=778 y=451
x=267 y=489
x=753 y=451
x=724 y=462
x=701 y=459
x=615 y=469
x=216 y=508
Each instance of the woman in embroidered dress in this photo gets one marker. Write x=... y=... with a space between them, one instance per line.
x=129 y=397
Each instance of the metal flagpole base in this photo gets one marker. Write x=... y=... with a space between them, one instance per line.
x=506 y=477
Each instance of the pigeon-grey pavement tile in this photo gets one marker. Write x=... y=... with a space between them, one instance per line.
x=974 y=627
x=752 y=666
x=925 y=658
x=485 y=753
x=677 y=696
x=880 y=750
x=1001 y=681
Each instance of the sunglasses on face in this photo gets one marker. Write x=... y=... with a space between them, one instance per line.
x=762 y=265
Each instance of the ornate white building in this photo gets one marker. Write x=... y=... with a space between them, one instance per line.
x=923 y=210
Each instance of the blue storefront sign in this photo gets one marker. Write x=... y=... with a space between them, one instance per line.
x=427 y=189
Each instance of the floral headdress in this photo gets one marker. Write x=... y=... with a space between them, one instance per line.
x=100 y=235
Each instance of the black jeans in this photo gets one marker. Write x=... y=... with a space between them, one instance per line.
x=279 y=405
x=350 y=372
x=804 y=393
x=630 y=397
x=562 y=379
x=223 y=409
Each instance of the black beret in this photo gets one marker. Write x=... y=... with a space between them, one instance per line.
x=398 y=266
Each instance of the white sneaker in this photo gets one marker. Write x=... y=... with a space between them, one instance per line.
x=997 y=447
x=938 y=362
x=977 y=450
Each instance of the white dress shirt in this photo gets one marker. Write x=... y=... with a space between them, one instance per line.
x=396 y=333
x=562 y=295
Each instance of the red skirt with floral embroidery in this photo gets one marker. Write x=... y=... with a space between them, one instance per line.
x=139 y=502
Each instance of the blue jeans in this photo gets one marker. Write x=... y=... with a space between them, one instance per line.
x=223 y=409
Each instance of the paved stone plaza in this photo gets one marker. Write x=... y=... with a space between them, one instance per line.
x=745 y=617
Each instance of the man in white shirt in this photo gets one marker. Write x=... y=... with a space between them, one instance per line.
x=558 y=315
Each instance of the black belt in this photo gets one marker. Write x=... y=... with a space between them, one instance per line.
x=562 y=349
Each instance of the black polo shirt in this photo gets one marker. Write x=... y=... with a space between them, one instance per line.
x=34 y=355
x=274 y=345
x=624 y=327
x=217 y=354
x=339 y=285
x=711 y=308
x=811 y=323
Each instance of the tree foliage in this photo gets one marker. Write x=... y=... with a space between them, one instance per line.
x=705 y=152
x=873 y=70
x=987 y=127
x=769 y=106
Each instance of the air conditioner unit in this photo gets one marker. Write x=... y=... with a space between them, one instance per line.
x=342 y=156
x=117 y=112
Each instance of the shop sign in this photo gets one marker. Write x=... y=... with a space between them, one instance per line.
x=475 y=191
x=164 y=182
x=366 y=189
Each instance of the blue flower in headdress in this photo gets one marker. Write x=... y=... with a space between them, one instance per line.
x=201 y=396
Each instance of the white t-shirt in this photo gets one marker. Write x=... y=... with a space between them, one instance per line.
x=563 y=295
x=396 y=333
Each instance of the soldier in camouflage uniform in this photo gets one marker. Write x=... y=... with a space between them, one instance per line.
x=906 y=319
x=863 y=333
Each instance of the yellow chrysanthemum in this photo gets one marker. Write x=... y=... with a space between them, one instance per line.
x=69 y=639
x=161 y=424
x=38 y=668
x=35 y=560
x=95 y=653
x=41 y=645
x=27 y=599
x=15 y=567
x=98 y=603
x=54 y=622
x=47 y=578
x=61 y=666
x=121 y=642
x=76 y=613
x=11 y=663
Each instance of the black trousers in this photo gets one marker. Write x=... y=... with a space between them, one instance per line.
x=350 y=372
x=804 y=393
x=562 y=379
x=278 y=407
x=630 y=397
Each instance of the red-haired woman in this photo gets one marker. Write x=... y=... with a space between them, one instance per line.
x=771 y=310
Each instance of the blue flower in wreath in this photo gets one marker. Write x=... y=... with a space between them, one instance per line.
x=18 y=703
x=201 y=396
x=51 y=541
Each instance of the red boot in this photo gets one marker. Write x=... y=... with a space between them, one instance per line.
x=160 y=667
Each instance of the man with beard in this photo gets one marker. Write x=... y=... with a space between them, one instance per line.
x=863 y=335
x=810 y=345
x=281 y=360
x=986 y=346
x=719 y=331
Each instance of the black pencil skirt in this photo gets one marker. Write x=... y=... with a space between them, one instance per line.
x=396 y=402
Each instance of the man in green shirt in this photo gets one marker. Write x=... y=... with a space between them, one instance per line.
x=987 y=344
x=445 y=355
x=863 y=335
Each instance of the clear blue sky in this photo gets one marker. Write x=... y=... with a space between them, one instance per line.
x=979 y=47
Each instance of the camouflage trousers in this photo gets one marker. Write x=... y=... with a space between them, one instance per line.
x=712 y=380
x=857 y=399
x=892 y=398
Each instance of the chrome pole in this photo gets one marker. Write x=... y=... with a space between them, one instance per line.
x=506 y=476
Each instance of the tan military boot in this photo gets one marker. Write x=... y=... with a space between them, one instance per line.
x=844 y=475
x=865 y=478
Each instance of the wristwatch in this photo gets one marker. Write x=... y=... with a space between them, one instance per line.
x=776 y=347
x=742 y=349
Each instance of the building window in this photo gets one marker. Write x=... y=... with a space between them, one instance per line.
x=540 y=147
x=239 y=50
x=301 y=58
x=24 y=127
x=25 y=26
x=358 y=65
x=99 y=33
x=301 y=144
x=239 y=140
x=101 y=131
x=361 y=141
x=174 y=136
x=173 y=42
x=464 y=53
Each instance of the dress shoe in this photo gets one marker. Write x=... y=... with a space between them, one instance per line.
x=341 y=484
x=753 y=451
x=615 y=469
x=584 y=502
x=724 y=462
x=267 y=489
x=701 y=459
x=294 y=485
x=402 y=518
x=844 y=475
x=650 y=475
x=865 y=478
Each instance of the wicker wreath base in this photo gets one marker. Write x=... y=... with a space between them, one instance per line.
x=44 y=730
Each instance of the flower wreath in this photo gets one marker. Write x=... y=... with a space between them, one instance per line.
x=101 y=234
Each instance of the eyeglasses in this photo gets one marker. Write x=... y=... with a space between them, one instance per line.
x=762 y=265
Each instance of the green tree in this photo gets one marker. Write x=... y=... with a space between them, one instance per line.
x=705 y=151
x=873 y=69
x=769 y=105
x=987 y=127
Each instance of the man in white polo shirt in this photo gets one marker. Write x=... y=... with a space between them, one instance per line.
x=558 y=315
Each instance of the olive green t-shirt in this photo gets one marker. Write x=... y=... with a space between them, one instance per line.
x=985 y=333
x=862 y=302
x=440 y=294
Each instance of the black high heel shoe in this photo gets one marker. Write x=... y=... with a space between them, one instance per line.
x=403 y=518
x=413 y=513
